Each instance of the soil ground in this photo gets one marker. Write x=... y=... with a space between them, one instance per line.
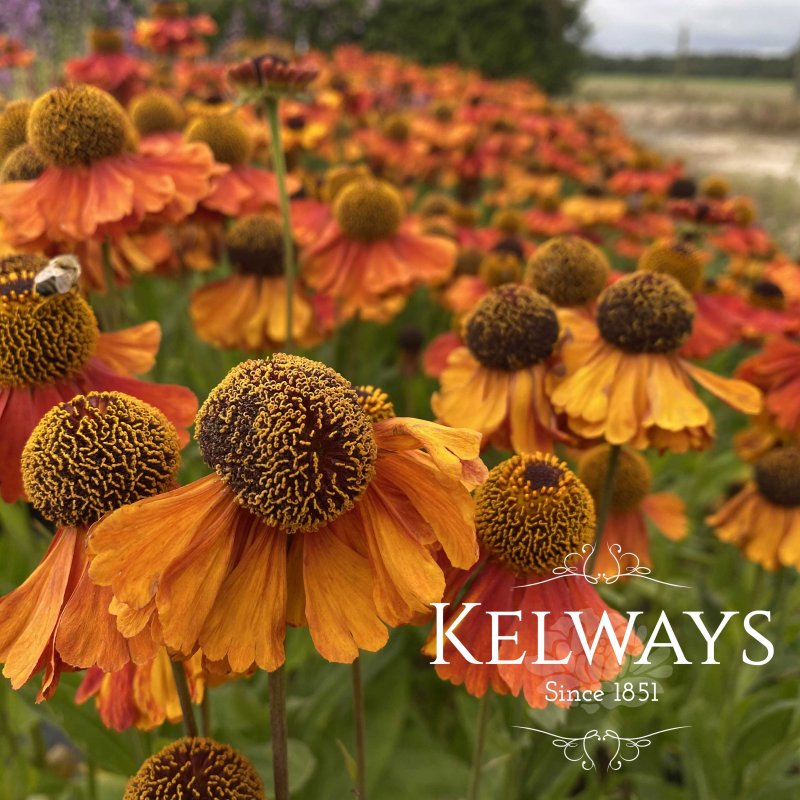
x=747 y=130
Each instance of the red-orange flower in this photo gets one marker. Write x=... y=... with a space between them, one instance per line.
x=109 y=67
x=141 y=695
x=96 y=183
x=58 y=619
x=367 y=255
x=52 y=350
x=533 y=516
x=171 y=31
x=776 y=371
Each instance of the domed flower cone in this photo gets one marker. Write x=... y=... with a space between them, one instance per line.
x=183 y=767
x=368 y=252
x=569 y=270
x=719 y=317
x=141 y=696
x=316 y=515
x=247 y=310
x=763 y=519
x=632 y=505
x=242 y=188
x=625 y=380
x=496 y=383
x=532 y=516
x=52 y=350
x=96 y=184
x=58 y=619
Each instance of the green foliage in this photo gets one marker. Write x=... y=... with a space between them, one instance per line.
x=538 y=39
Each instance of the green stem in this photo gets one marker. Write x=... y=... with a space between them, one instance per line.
x=185 y=697
x=605 y=503
x=277 y=718
x=360 y=721
x=272 y=106
x=477 y=753
x=91 y=780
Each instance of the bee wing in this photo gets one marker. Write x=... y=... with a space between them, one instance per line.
x=58 y=277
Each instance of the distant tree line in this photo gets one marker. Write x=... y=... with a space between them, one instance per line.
x=712 y=65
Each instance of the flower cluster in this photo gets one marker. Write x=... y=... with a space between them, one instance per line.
x=547 y=288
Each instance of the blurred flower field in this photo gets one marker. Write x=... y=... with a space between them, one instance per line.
x=294 y=346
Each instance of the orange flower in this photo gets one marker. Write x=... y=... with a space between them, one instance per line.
x=248 y=310
x=718 y=317
x=532 y=515
x=58 y=619
x=51 y=350
x=108 y=67
x=625 y=381
x=316 y=516
x=141 y=695
x=243 y=188
x=95 y=183
x=170 y=31
x=776 y=371
x=496 y=383
x=763 y=519
x=631 y=505
x=368 y=258
x=13 y=53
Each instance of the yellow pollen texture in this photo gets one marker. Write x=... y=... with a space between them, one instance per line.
x=42 y=339
x=290 y=439
x=369 y=210
x=375 y=403
x=569 y=270
x=97 y=453
x=532 y=512
x=225 y=135
x=196 y=769
x=78 y=125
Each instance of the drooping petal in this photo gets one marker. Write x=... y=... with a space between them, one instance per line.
x=455 y=451
x=247 y=624
x=341 y=613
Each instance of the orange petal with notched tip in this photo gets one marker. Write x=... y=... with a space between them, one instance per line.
x=341 y=613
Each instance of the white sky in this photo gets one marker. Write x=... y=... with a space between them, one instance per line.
x=643 y=26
